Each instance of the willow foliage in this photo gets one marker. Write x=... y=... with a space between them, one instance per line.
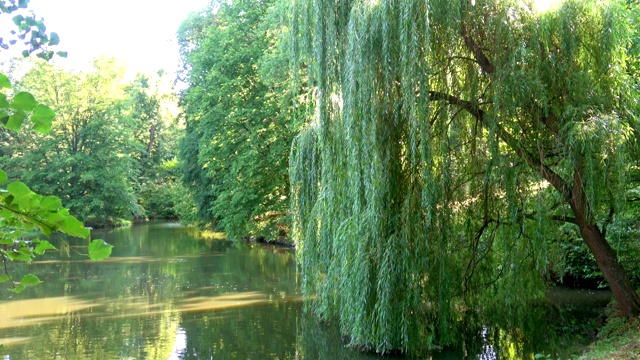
x=420 y=187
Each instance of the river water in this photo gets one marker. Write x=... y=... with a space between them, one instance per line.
x=168 y=293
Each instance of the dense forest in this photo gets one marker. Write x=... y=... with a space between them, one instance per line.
x=427 y=158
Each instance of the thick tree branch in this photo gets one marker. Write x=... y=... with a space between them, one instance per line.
x=534 y=163
x=481 y=58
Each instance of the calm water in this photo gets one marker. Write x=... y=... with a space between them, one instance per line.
x=166 y=293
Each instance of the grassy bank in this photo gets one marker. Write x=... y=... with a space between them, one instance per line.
x=619 y=339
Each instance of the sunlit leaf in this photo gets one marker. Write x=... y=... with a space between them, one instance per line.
x=3 y=176
x=4 y=278
x=18 y=189
x=99 y=250
x=42 y=118
x=15 y=121
x=19 y=255
x=3 y=101
x=24 y=101
x=5 y=83
x=54 y=39
x=74 y=227
x=43 y=246
x=18 y=289
x=29 y=280
x=51 y=203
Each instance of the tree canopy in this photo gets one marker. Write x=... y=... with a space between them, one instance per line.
x=22 y=211
x=451 y=140
x=239 y=118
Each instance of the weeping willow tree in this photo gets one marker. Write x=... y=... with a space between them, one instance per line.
x=450 y=140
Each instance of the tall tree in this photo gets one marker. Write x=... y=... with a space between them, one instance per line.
x=21 y=209
x=86 y=159
x=451 y=139
x=153 y=110
x=238 y=121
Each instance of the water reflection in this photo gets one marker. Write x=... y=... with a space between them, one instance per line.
x=169 y=294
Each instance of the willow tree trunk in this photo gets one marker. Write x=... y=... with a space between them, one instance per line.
x=573 y=193
x=626 y=297
x=624 y=293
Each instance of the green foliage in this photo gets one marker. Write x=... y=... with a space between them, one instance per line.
x=31 y=32
x=618 y=339
x=99 y=250
x=24 y=212
x=152 y=108
x=239 y=118
x=85 y=160
x=451 y=139
x=624 y=231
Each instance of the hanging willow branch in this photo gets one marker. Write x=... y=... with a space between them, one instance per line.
x=412 y=186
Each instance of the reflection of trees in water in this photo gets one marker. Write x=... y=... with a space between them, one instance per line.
x=231 y=300
x=140 y=292
x=258 y=332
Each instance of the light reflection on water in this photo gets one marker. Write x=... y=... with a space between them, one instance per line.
x=168 y=294
x=179 y=345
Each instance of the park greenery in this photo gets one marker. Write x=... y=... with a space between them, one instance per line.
x=430 y=159
x=453 y=143
x=24 y=213
x=240 y=120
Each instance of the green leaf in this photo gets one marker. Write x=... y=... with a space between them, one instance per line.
x=4 y=278
x=18 y=189
x=43 y=246
x=4 y=104
x=24 y=101
x=62 y=54
x=18 y=19
x=30 y=280
x=25 y=53
x=3 y=177
x=99 y=250
x=51 y=203
x=42 y=118
x=15 y=121
x=21 y=255
x=74 y=227
x=54 y=39
x=18 y=289
x=5 y=83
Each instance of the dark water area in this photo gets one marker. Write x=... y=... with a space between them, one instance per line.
x=168 y=293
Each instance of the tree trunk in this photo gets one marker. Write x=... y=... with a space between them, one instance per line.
x=626 y=297
x=152 y=138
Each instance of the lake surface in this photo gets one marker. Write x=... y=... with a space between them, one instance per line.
x=168 y=293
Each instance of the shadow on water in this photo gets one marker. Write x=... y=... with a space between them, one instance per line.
x=167 y=293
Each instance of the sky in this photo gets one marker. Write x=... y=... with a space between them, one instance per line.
x=141 y=33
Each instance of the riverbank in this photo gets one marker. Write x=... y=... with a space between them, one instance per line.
x=619 y=339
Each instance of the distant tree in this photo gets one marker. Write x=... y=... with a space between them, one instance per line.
x=153 y=109
x=86 y=158
x=239 y=119
x=23 y=211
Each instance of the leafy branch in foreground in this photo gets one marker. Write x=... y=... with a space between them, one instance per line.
x=24 y=212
